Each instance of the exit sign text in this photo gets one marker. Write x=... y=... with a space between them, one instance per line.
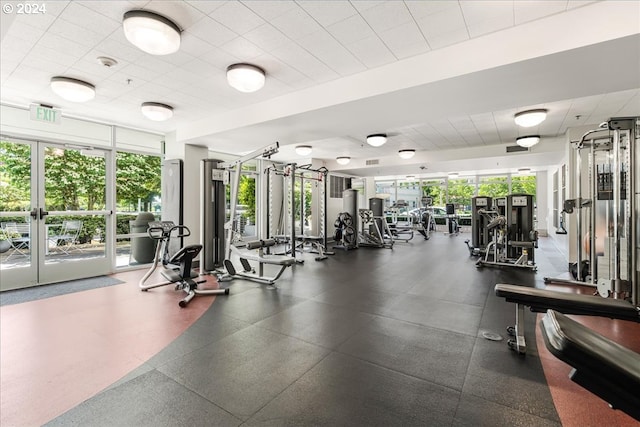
x=41 y=113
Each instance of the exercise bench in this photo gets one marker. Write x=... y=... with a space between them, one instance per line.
x=541 y=300
x=317 y=246
x=261 y=258
x=605 y=368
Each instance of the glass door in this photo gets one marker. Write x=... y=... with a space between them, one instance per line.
x=18 y=261
x=53 y=202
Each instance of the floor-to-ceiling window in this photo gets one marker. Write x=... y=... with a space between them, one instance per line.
x=138 y=201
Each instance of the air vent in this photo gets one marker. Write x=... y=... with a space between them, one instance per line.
x=516 y=148
x=373 y=162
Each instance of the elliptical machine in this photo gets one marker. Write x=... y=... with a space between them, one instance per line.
x=183 y=276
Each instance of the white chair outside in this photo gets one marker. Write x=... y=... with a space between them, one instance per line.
x=20 y=238
x=67 y=240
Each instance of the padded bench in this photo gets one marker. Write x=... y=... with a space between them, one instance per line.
x=605 y=368
x=541 y=300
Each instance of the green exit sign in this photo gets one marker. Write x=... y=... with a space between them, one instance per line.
x=42 y=113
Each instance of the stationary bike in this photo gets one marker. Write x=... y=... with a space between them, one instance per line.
x=182 y=275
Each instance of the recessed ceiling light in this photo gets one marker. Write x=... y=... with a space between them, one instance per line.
x=245 y=77
x=156 y=111
x=530 y=118
x=406 y=154
x=150 y=32
x=343 y=160
x=73 y=89
x=303 y=150
x=528 y=141
x=377 y=139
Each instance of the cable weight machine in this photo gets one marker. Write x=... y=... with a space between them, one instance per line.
x=607 y=248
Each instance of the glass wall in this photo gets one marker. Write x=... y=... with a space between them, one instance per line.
x=458 y=191
x=138 y=201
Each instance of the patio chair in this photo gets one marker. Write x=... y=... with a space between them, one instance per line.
x=67 y=240
x=19 y=237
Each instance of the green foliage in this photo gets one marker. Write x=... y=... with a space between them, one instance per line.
x=137 y=178
x=460 y=192
x=523 y=185
x=496 y=186
x=247 y=196
x=15 y=173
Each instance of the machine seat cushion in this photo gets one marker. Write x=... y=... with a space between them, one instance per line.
x=265 y=259
x=541 y=300
x=305 y=238
x=602 y=366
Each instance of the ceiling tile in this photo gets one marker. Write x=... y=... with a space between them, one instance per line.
x=363 y=5
x=118 y=50
x=50 y=55
x=487 y=16
x=387 y=15
x=446 y=21
x=181 y=13
x=237 y=17
x=266 y=37
x=404 y=41
x=421 y=8
x=22 y=31
x=296 y=24
x=75 y=33
x=447 y=39
x=529 y=10
x=271 y=9
x=328 y=12
x=86 y=15
x=371 y=52
x=572 y=4
x=206 y=6
x=61 y=44
x=242 y=48
x=351 y=30
x=211 y=31
x=219 y=58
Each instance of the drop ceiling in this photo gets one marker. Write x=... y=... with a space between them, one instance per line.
x=442 y=77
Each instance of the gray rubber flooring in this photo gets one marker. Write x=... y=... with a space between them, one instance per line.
x=368 y=337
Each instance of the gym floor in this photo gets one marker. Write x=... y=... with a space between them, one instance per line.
x=366 y=337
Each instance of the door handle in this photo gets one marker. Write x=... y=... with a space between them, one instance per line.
x=34 y=213
x=43 y=213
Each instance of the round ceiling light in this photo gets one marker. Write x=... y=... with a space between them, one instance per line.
x=151 y=32
x=453 y=174
x=245 y=77
x=303 y=150
x=73 y=89
x=377 y=139
x=530 y=118
x=156 y=111
x=528 y=141
x=406 y=154
x=343 y=160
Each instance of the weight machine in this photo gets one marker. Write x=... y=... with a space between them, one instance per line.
x=399 y=230
x=346 y=227
x=610 y=209
x=426 y=221
x=513 y=237
x=375 y=230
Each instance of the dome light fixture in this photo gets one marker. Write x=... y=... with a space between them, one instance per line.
x=343 y=160
x=73 y=89
x=528 y=141
x=524 y=171
x=453 y=175
x=245 y=77
x=150 y=32
x=407 y=153
x=156 y=111
x=530 y=118
x=303 y=150
x=377 y=139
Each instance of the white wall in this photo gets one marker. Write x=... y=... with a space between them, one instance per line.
x=543 y=212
